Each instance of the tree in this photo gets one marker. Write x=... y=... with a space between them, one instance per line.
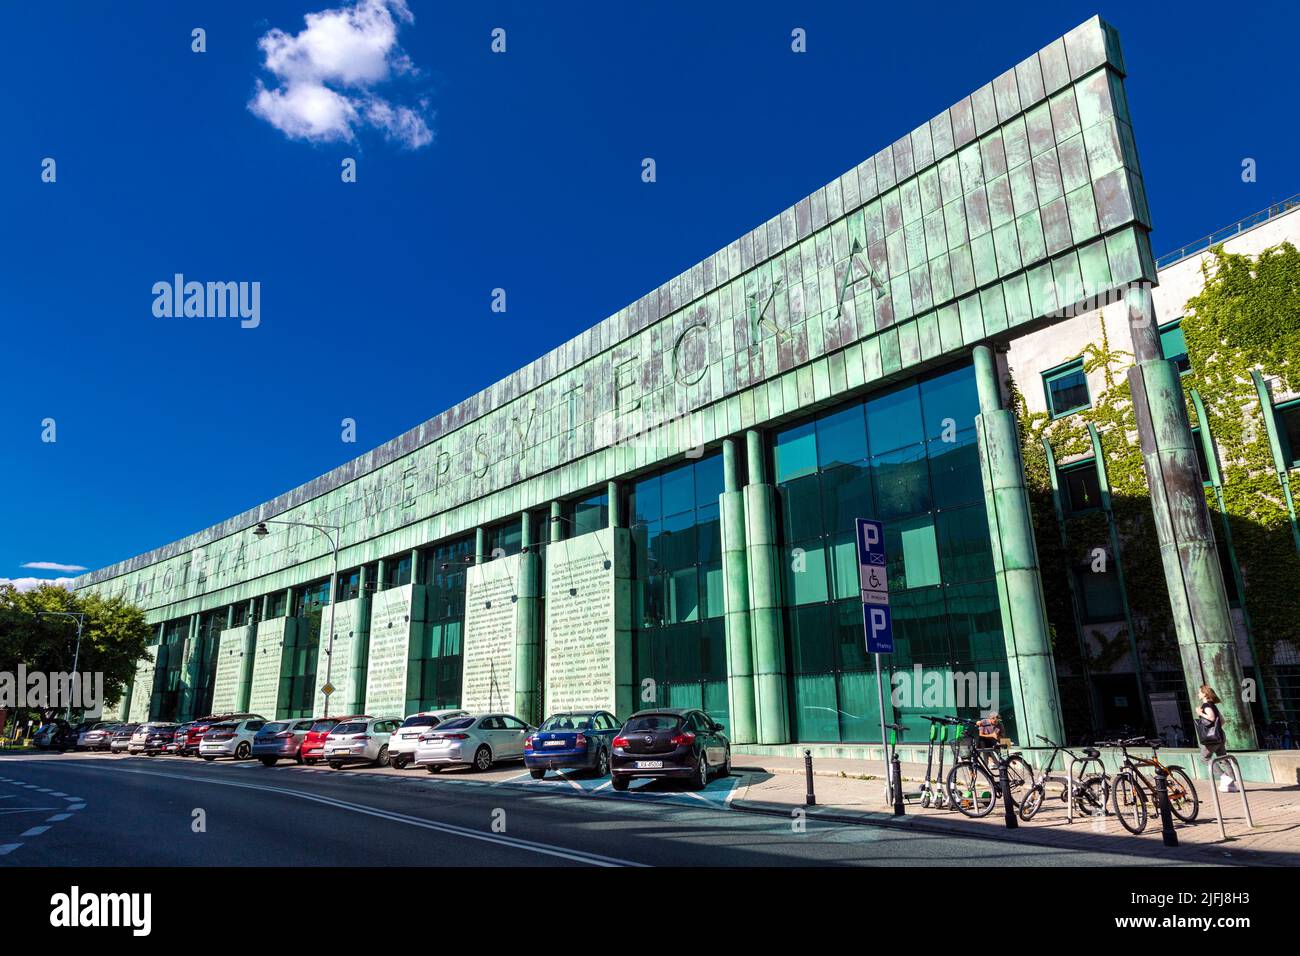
x=113 y=640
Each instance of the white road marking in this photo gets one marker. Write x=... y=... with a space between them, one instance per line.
x=76 y=806
x=34 y=831
x=578 y=856
x=8 y=848
x=57 y=817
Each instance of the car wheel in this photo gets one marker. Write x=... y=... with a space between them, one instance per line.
x=382 y=759
x=336 y=765
x=242 y=752
x=726 y=766
x=209 y=758
x=297 y=758
x=398 y=762
x=602 y=763
x=620 y=783
x=483 y=758
x=702 y=772
x=268 y=761
x=538 y=773
x=309 y=761
x=433 y=767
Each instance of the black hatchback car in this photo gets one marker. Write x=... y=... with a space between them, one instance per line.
x=670 y=742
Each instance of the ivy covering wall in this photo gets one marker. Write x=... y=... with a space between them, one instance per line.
x=1247 y=316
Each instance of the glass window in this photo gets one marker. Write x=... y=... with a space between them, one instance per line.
x=1288 y=428
x=349 y=584
x=805 y=573
x=901 y=480
x=917 y=549
x=955 y=470
x=1173 y=345
x=1202 y=463
x=845 y=496
x=1099 y=595
x=801 y=508
x=1229 y=579
x=894 y=420
x=677 y=489
x=794 y=451
x=709 y=482
x=275 y=604
x=951 y=402
x=964 y=545
x=841 y=437
x=645 y=501
x=397 y=572
x=1067 y=389
x=1080 y=487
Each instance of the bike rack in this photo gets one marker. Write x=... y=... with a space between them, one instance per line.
x=1069 y=791
x=1241 y=786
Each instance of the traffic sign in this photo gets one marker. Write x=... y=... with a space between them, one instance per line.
x=877 y=622
x=327 y=689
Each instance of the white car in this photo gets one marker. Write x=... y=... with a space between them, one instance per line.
x=476 y=741
x=401 y=746
x=232 y=738
x=360 y=741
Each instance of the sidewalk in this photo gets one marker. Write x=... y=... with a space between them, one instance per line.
x=776 y=785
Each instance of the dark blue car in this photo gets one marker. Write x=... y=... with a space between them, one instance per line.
x=577 y=739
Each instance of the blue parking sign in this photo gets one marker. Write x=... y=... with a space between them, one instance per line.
x=877 y=623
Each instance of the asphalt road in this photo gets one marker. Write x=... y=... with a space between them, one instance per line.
x=85 y=810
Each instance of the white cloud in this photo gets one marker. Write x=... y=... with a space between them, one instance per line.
x=30 y=584
x=325 y=76
x=52 y=566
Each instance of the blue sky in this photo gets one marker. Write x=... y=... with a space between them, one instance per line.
x=475 y=171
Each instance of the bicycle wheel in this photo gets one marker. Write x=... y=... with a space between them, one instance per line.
x=1032 y=802
x=1091 y=796
x=970 y=788
x=1020 y=777
x=1183 y=800
x=1129 y=802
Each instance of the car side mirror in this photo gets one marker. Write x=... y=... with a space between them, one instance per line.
x=718 y=728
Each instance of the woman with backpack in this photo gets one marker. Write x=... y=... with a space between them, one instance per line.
x=1209 y=727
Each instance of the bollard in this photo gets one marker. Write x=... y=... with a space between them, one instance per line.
x=896 y=774
x=1166 y=813
x=1008 y=805
x=810 y=799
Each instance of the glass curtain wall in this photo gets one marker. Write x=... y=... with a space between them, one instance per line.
x=906 y=457
x=433 y=677
x=677 y=609
x=167 y=671
x=297 y=695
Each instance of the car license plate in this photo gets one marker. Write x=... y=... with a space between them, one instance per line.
x=409 y=736
x=340 y=750
x=649 y=765
x=553 y=743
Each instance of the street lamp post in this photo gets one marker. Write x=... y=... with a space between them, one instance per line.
x=80 y=618
x=261 y=531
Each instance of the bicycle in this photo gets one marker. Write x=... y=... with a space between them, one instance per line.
x=1090 y=793
x=974 y=784
x=1131 y=788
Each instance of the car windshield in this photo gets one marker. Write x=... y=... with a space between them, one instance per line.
x=457 y=723
x=275 y=728
x=354 y=727
x=568 y=722
x=324 y=725
x=420 y=720
x=653 y=722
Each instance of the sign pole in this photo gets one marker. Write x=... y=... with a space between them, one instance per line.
x=884 y=750
x=877 y=622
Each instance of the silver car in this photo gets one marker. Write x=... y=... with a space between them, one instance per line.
x=231 y=739
x=98 y=737
x=360 y=741
x=401 y=747
x=472 y=741
x=281 y=740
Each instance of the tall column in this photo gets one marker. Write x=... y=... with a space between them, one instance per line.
x=528 y=685
x=557 y=530
x=615 y=505
x=767 y=629
x=1015 y=563
x=480 y=545
x=359 y=649
x=1197 y=597
x=191 y=663
x=735 y=589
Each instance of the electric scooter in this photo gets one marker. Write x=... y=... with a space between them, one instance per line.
x=930 y=788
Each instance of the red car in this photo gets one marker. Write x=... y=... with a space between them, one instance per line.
x=313 y=745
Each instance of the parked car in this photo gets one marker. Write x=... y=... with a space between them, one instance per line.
x=281 y=740
x=122 y=735
x=151 y=738
x=401 y=746
x=313 y=745
x=194 y=736
x=98 y=737
x=476 y=741
x=233 y=738
x=360 y=741
x=55 y=735
x=574 y=739
x=670 y=742
x=177 y=744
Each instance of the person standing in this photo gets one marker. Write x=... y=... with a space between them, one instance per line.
x=1209 y=728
